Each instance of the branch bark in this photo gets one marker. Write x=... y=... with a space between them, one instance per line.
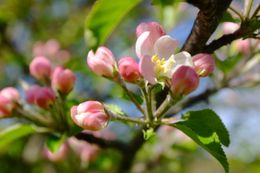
x=208 y=18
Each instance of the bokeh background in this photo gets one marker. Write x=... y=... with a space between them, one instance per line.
x=58 y=26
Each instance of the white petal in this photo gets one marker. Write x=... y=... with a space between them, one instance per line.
x=183 y=58
x=146 y=68
x=165 y=46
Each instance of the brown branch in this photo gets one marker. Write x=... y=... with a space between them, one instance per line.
x=103 y=143
x=192 y=101
x=208 y=18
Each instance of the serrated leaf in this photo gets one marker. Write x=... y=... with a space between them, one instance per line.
x=104 y=16
x=15 y=132
x=208 y=131
x=54 y=142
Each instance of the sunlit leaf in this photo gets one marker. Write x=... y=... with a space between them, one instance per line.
x=103 y=18
x=208 y=131
x=15 y=132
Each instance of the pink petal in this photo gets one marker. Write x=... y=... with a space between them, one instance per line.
x=146 y=68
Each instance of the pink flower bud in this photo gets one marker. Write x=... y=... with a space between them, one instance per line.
x=243 y=46
x=40 y=68
x=155 y=28
x=204 y=64
x=128 y=69
x=40 y=96
x=10 y=93
x=148 y=34
x=89 y=115
x=230 y=27
x=63 y=80
x=102 y=62
x=184 y=81
x=57 y=156
x=6 y=106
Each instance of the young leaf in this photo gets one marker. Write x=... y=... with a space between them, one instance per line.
x=104 y=16
x=15 y=132
x=208 y=131
x=228 y=64
x=54 y=142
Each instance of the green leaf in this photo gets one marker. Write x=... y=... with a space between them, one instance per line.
x=227 y=17
x=54 y=142
x=228 y=64
x=15 y=132
x=104 y=16
x=115 y=109
x=149 y=133
x=165 y=2
x=208 y=131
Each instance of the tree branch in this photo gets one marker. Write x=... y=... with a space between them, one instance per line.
x=103 y=143
x=208 y=18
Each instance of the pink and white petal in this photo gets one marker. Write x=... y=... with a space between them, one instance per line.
x=183 y=58
x=144 y=45
x=146 y=68
x=165 y=46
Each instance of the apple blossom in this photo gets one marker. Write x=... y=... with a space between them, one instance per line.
x=89 y=115
x=40 y=68
x=128 y=69
x=184 y=81
x=156 y=53
x=63 y=80
x=40 y=96
x=203 y=64
x=102 y=62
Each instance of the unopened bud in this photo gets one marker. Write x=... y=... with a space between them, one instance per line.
x=204 y=64
x=40 y=68
x=129 y=69
x=184 y=81
x=102 y=62
x=40 y=96
x=63 y=80
x=89 y=115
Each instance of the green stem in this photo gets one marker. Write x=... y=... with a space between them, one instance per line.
x=164 y=107
x=125 y=118
x=130 y=95
x=236 y=12
x=256 y=11
x=149 y=112
x=248 y=10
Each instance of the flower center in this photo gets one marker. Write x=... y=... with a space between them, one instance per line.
x=162 y=67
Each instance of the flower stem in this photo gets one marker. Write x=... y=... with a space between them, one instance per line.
x=130 y=95
x=165 y=106
x=249 y=7
x=147 y=97
x=123 y=118
x=237 y=13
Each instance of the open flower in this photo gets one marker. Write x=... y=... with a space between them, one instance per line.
x=156 y=53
